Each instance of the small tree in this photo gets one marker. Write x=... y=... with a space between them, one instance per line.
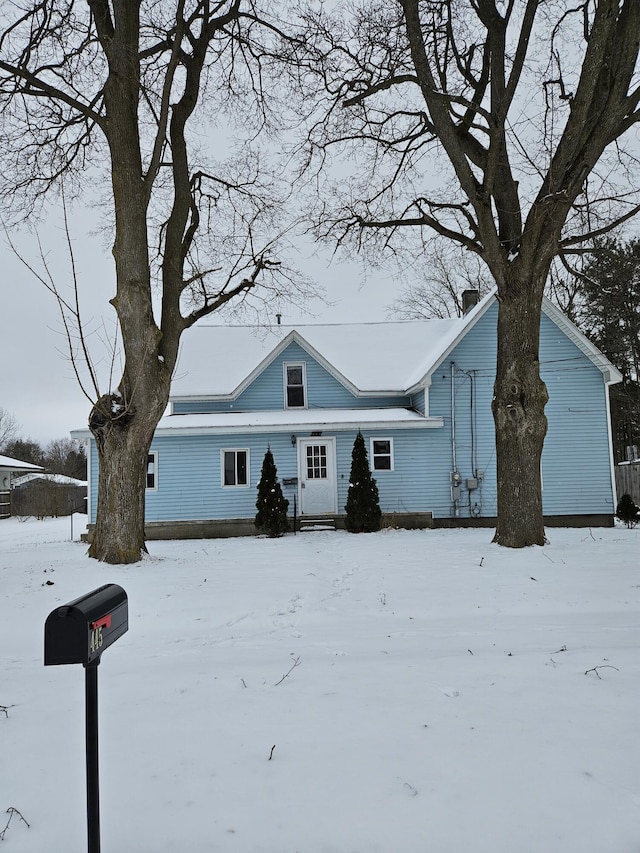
x=66 y=456
x=8 y=427
x=363 y=503
x=627 y=511
x=272 y=506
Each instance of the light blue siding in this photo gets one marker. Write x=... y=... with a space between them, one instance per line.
x=575 y=462
x=405 y=489
x=475 y=364
x=189 y=474
x=189 y=477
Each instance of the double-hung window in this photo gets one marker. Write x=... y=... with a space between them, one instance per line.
x=381 y=451
x=235 y=468
x=152 y=471
x=295 y=376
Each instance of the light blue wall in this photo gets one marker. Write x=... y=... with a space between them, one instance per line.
x=575 y=462
x=475 y=360
x=189 y=477
x=189 y=474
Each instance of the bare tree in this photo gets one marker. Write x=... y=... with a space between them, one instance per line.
x=119 y=94
x=24 y=449
x=498 y=125
x=8 y=427
x=438 y=290
x=66 y=456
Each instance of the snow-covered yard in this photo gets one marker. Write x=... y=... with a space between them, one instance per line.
x=441 y=695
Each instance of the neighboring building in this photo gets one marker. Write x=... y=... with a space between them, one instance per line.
x=420 y=392
x=47 y=495
x=8 y=468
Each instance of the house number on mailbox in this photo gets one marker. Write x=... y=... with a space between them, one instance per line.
x=96 y=640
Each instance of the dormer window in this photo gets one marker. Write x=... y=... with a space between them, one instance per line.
x=295 y=376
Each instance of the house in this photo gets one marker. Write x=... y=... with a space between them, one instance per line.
x=8 y=467
x=419 y=391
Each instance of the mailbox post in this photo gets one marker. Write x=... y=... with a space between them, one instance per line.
x=79 y=632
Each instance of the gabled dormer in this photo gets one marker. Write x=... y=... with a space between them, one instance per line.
x=293 y=375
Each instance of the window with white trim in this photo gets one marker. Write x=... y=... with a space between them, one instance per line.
x=152 y=471
x=295 y=381
x=381 y=453
x=235 y=468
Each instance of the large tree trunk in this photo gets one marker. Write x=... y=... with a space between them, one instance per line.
x=123 y=436
x=122 y=451
x=521 y=425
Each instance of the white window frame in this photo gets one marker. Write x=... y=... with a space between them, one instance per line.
x=303 y=366
x=153 y=488
x=372 y=456
x=235 y=450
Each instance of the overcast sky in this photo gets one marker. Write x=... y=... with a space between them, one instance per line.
x=38 y=386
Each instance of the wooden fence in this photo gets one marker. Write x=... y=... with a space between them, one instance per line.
x=628 y=480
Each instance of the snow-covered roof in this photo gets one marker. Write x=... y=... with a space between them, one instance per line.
x=58 y=479
x=18 y=465
x=290 y=419
x=369 y=357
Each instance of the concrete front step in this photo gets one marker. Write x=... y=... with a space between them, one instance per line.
x=308 y=523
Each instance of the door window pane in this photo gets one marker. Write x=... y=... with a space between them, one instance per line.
x=316 y=462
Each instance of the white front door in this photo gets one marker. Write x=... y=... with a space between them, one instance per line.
x=317 y=466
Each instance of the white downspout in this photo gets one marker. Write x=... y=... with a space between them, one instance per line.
x=612 y=470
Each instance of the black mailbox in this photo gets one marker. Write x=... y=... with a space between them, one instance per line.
x=80 y=631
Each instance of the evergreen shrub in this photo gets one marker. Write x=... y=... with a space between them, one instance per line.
x=363 y=502
x=628 y=511
x=272 y=506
